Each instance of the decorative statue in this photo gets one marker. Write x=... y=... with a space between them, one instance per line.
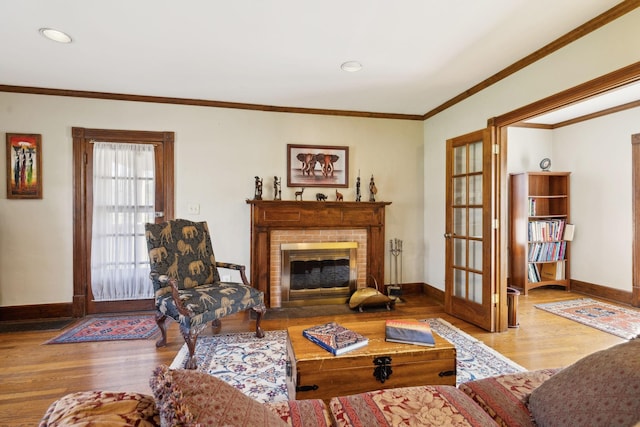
x=339 y=197
x=321 y=197
x=372 y=190
x=299 y=193
x=358 y=195
x=277 y=192
x=258 y=195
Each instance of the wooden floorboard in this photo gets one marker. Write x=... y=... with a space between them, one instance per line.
x=34 y=374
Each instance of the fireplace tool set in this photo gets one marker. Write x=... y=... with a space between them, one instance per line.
x=395 y=248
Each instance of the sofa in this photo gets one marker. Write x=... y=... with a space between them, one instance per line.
x=601 y=389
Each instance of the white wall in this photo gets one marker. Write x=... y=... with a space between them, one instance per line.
x=597 y=152
x=218 y=153
x=609 y=48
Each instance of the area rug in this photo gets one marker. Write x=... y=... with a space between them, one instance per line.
x=474 y=359
x=109 y=328
x=618 y=321
x=257 y=366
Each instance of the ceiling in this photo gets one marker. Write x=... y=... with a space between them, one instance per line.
x=416 y=54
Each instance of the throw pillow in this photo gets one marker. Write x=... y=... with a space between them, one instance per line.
x=192 y=398
x=102 y=408
x=601 y=389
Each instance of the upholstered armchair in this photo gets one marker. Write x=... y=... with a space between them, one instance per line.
x=187 y=284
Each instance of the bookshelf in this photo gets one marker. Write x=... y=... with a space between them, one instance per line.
x=539 y=209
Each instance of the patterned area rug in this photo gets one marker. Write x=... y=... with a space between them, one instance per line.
x=619 y=321
x=254 y=366
x=109 y=328
x=257 y=366
x=474 y=359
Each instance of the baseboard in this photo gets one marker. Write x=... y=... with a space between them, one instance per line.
x=37 y=311
x=598 y=291
x=433 y=293
x=588 y=289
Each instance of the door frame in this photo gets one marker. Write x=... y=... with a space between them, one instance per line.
x=82 y=204
x=597 y=86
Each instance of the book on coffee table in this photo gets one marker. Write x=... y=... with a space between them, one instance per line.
x=335 y=338
x=409 y=332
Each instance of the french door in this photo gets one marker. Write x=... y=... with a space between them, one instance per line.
x=83 y=145
x=470 y=285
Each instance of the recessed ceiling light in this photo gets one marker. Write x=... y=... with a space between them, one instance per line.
x=55 y=35
x=351 y=66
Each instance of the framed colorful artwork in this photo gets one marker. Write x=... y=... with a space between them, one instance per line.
x=317 y=166
x=24 y=166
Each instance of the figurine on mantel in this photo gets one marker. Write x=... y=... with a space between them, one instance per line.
x=358 y=195
x=373 y=190
x=299 y=193
x=277 y=192
x=258 y=190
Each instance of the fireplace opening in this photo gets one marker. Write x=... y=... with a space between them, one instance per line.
x=318 y=273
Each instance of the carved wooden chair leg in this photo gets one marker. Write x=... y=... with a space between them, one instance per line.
x=260 y=311
x=190 y=337
x=216 y=326
x=160 y=321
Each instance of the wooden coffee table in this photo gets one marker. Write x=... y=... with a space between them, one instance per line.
x=314 y=373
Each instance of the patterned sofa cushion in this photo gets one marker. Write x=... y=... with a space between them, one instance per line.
x=302 y=413
x=192 y=398
x=505 y=397
x=409 y=406
x=601 y=389
x=102 y=408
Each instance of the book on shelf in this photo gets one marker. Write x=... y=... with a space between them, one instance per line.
x=569 y=230
x=335 y=338
x=409 y=332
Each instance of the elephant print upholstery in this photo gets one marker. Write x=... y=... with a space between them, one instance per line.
x=156 y=254
x=187 y=284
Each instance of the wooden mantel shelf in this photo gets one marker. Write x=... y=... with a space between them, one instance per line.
x=269 y=215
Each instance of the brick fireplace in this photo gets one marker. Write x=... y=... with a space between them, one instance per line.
x=276 y=222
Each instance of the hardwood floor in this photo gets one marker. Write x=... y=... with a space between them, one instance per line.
x=34 y=374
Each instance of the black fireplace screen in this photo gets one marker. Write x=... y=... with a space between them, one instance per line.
x=328 y=273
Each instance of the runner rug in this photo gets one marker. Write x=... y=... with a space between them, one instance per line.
x=109 y=328
x=257 y=366
x=619 y=321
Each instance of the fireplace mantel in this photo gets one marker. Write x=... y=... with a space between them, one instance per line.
x=270 y=215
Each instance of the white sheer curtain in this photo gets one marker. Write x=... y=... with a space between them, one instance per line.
x=123 y=201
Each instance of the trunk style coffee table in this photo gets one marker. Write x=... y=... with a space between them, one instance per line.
x=315 y=373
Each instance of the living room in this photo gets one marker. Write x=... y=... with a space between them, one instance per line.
x=220 y=150
x=410 y=175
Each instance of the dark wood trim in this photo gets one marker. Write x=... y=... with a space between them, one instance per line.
x=37 y=311
x=82 y=202
x=599 y=291
x=597 y=86
x=433 y=292
x=203 y=103
x=635 y=189
x=601 y=113
x=599 y=21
